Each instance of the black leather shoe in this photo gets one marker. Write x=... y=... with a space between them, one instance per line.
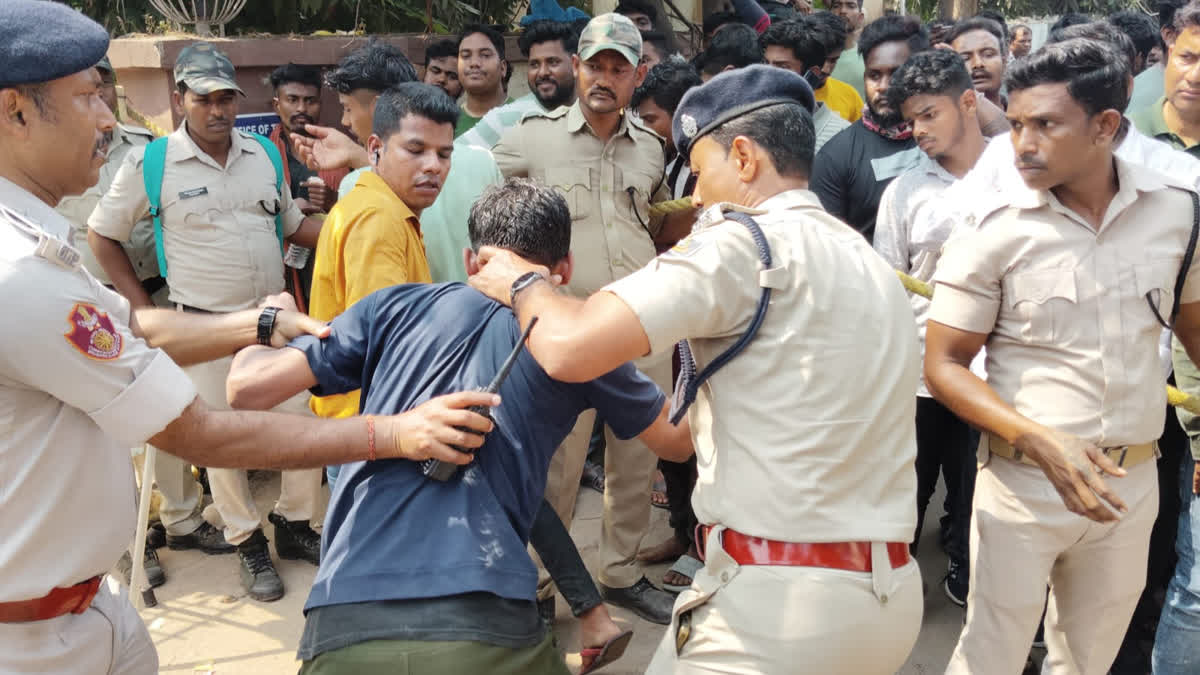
x=643 y=599
x=204 y=538
x=295 y=539
x=154 y=571
x=259 y=577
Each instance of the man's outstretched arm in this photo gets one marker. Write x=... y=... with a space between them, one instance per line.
x=575 y=340
x=262 y=378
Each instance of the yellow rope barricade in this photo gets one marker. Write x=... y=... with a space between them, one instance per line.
x=672 y=206
x=1175 y=397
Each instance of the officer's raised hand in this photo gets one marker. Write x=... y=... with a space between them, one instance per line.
x=1075 y=467
x=499 y=268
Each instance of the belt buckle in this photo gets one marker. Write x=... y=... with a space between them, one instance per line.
x=1123 y=449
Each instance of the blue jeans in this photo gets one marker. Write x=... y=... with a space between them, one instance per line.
x=1177 y=643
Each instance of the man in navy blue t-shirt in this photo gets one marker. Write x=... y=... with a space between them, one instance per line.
x=433 y=573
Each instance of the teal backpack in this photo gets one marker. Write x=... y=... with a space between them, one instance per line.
x=155 y=163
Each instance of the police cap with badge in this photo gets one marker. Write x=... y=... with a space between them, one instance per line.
x=704 y=109
x=42 y=41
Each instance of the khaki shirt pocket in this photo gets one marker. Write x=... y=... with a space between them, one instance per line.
x=1043 y=302
x=1155 y=284
x=575 y=185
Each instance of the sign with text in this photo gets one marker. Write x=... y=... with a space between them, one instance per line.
x=257 y=123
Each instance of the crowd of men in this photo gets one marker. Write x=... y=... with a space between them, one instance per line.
x=699 y=356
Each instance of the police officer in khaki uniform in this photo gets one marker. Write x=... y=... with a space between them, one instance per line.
x=77 y=208
x=609 y=167
x=804 y=381
x=80 y=385
x=219 y=201
x=1068 y=280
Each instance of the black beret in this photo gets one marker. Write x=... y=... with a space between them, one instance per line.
x=42 y=41
x=732 y=94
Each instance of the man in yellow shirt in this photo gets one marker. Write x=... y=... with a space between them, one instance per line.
x=372 y=238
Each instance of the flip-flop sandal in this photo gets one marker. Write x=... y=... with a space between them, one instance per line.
x=595 y=658
x=686 y=566
x=659 y=489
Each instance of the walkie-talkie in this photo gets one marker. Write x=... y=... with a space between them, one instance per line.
x=442 y=471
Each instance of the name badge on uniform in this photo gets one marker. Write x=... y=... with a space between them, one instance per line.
x=197 y=192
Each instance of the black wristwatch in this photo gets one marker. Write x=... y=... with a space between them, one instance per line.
x=524 y=281
x=266 y=324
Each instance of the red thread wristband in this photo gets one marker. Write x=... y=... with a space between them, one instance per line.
x=371 y=438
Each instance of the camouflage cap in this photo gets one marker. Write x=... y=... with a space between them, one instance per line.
x=611 y=31
x=205 y=69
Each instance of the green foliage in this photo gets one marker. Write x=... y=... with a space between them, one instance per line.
x=306 y=16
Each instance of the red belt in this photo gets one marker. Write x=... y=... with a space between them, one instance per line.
x=852 y=556
x=71 y=600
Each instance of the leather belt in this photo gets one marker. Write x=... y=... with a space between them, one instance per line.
x=1124 y=456
x=71 y=600
x=852 y=556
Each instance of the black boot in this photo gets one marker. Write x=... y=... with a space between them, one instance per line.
x=155 y=575
x=259 y=577
x=295 y=539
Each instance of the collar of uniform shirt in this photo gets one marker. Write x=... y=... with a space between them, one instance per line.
x=576 y=121
x=23 y=202
x=187 y=148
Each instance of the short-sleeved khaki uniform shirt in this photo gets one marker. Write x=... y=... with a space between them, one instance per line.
x=77 y=390
x=1072 y=340
x=140 y=245
x=807 y=435
x=219 y=237
x=608 y=187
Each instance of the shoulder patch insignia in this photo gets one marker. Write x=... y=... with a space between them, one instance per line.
x=687 y=246
x=92 y=333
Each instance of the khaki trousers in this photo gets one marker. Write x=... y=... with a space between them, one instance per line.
x=1023 y=538
x=758 y=620
x=108 y=638
x=298 y=492
x=629 y=474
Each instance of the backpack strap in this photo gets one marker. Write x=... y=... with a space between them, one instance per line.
x=1188 y=254
x=277 y=162
x=153 y=165
x=690 y=381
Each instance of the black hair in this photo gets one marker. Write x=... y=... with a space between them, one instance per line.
x=497 y=41
x=1187 y=16
x=666 y=83
x=375 y=67
x=1102 y=31
x=717 y=19
x=998 y=18
x=1140 y=28
x=522 y=216
x=979 y=23
x=292 y=73
x=659 y=40
x=936 y=72
x=1070 y=19
x=799 y=36
x=1166 y=12
x=637 y=7
x=440 y=50
x=412 y=98
x=735 y=45
x=894 y=28
x=1094 y=72
x=831 y=29
x=784 y=131
x=548 y=31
